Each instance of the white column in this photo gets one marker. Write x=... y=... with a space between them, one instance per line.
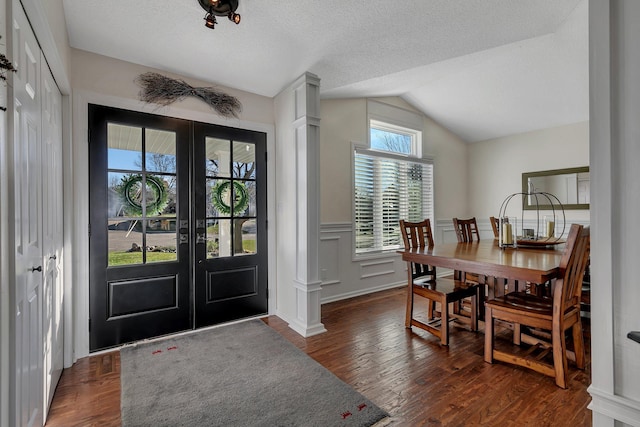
x=306 y=137
x=614 y=66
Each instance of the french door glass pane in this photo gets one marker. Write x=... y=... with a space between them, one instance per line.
x=245 y=198
x=245 y=237
x=244 y=160
x=218 y=197
x=160 y=151
x=125 y=245
x=125 y=147
x=218 y=157
x=161 y=240
x=219 y=238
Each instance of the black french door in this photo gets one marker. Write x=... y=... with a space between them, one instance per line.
x=230 y=215
x=177 y=225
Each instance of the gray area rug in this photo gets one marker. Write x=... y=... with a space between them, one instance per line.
x=244 y=374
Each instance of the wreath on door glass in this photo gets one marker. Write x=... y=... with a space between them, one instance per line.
x=221 y=196
x=130 y=190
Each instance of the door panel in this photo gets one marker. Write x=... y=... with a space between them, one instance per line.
x=53 y=328
x=28 y=375
x=196 y=257
x=231 y=223
x=140 y=275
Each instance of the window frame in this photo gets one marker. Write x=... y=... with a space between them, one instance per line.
x=380 y=250
x=414 y=134
x=396 y=119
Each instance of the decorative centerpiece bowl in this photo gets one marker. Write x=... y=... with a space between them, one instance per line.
x=545 y=232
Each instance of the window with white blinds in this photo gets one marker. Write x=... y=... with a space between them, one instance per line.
x=388 y=188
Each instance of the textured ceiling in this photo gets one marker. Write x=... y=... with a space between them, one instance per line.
x=482 y=68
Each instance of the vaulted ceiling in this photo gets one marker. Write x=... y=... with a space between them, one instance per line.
x=482 y=68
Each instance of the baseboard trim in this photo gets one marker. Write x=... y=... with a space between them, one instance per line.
x=616 y=407
x=361 y=292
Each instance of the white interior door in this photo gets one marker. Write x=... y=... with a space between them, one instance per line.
x=53 y=331
x=27 y=308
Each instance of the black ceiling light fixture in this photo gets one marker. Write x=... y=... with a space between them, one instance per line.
x=219 y=8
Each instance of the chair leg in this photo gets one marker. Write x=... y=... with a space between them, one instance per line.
x=481 y=296
x=431 y=309
x=474 y=311
x=488 y=334
x=409 y=313
x=444 y=322
x=578 y=344
x=559 y=356
x=517 y=333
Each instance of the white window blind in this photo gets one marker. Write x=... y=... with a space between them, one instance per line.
x=388 y=188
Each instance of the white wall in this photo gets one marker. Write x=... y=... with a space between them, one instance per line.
x=344 y=121
x=614 y=67
x=496 y=165
x=285 y=220
x=107 y=81
x=115 y=78
x=55 y=16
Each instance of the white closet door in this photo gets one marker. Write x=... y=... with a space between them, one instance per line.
x=53 y=331
x=27 y=308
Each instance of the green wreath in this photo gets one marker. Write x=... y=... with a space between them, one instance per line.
x=130 y=193
x=241 y=197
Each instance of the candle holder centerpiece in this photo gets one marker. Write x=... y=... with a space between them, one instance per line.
x=544 y=233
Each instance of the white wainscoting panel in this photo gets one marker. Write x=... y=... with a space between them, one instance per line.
x=330 y=253
x=343 y=276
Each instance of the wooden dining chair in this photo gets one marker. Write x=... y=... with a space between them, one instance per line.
x=556 y=314
x=422 y=281
x=466 y=232
x=419 y=235
x=495 y=226
x=466 y=229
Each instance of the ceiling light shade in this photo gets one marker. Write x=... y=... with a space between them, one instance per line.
x=234 y=17
x=220 y=8
x=210 y=21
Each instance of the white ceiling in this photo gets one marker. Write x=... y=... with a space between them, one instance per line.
x=482 y=68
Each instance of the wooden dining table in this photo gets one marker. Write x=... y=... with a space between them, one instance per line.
x=510 y=266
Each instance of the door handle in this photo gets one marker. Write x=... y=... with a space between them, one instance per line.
x=634 y=335
x=53 y=257
x=184 y=238
x=201 y=237
x=38 y=268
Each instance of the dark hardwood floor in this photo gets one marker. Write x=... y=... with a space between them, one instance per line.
x=408 y=374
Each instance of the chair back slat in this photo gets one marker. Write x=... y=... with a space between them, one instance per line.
x=466 y=229
x=495 y=226
x=416 y=234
